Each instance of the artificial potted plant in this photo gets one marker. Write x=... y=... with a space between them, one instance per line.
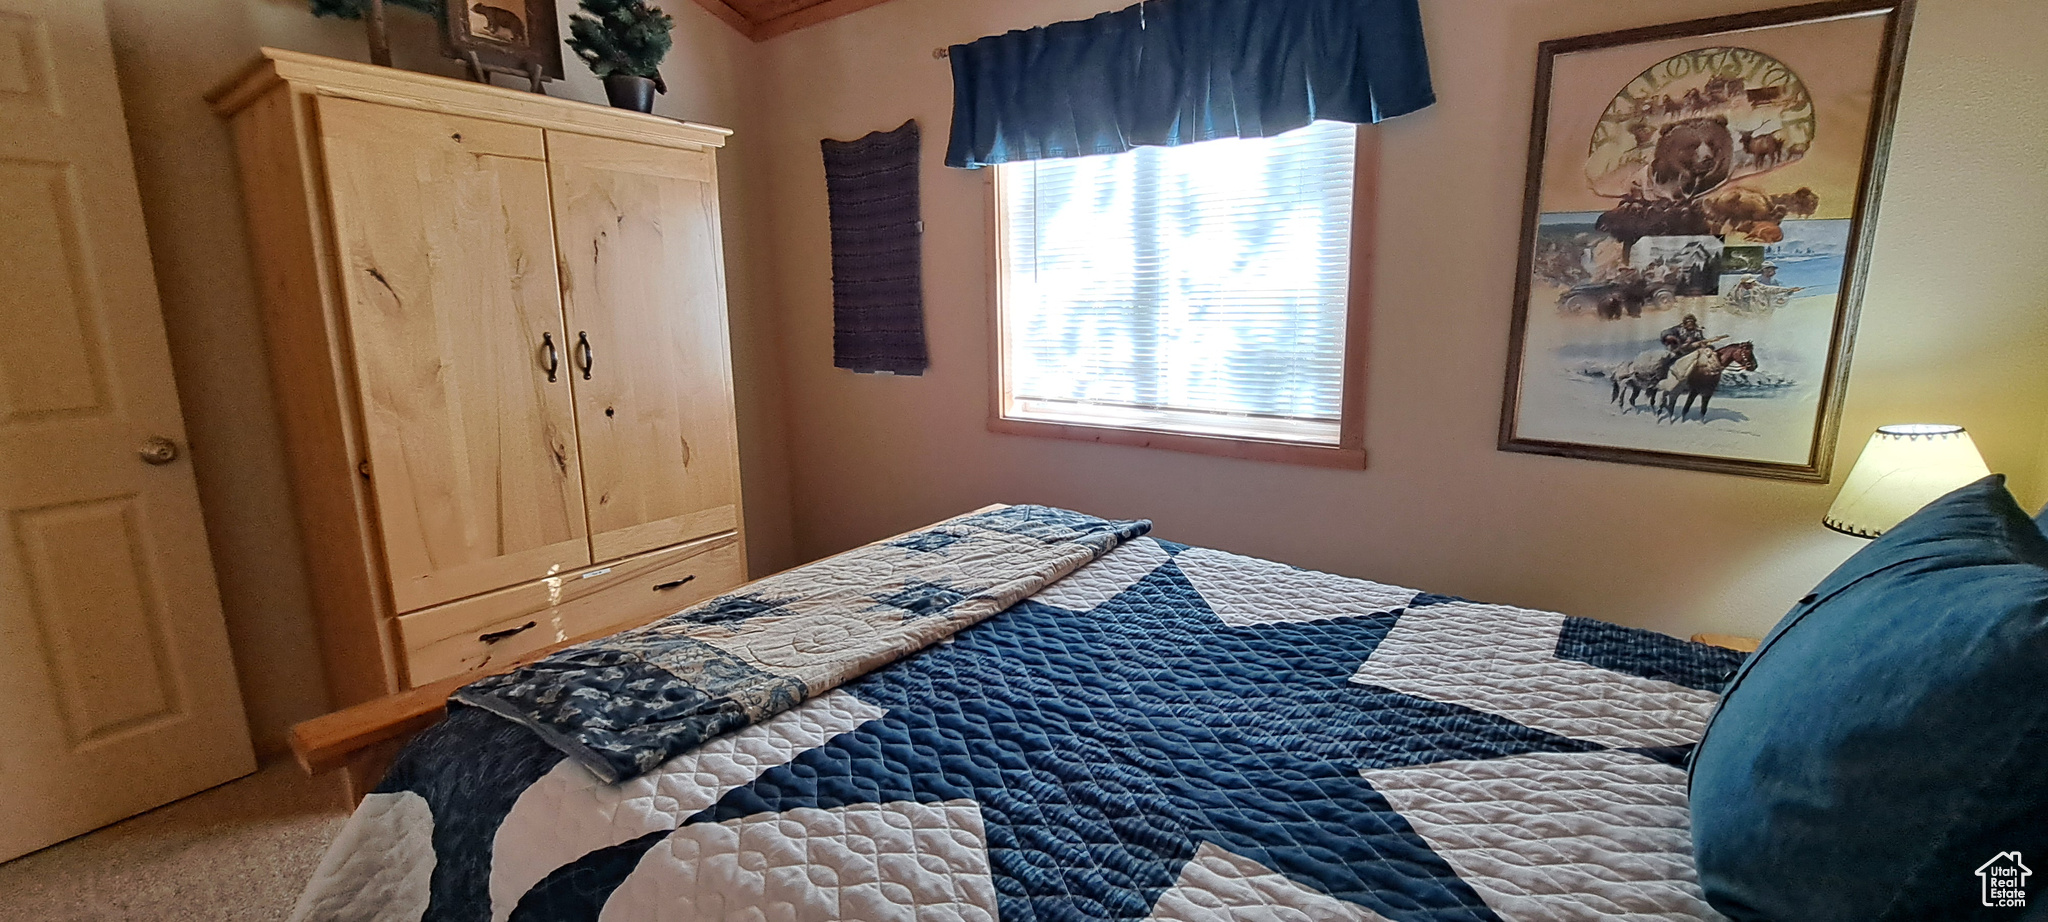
x=623 y=41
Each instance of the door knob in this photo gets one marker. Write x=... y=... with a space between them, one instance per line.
x=158 y=450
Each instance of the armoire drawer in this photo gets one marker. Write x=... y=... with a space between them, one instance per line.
x=501 y=626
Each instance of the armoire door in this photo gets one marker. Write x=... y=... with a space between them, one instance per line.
x=117 y=690
x=447 y=259
x=642 y=274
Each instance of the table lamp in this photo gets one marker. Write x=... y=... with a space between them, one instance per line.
x=1902 y=469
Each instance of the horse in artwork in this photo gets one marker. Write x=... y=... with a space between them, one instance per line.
x=1646 y=376
x=1702 y=378
x=1640 y=377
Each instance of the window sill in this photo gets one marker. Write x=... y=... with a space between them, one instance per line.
x=1335 y=456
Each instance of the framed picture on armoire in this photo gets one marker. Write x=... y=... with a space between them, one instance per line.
x=505 y=36
x=1699 y=208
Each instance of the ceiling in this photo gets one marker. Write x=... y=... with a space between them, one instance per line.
x=762 y=20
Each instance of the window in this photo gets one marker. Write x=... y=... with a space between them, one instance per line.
x=1198 y=291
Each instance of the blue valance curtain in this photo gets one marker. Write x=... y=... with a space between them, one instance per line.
x=1169 y=72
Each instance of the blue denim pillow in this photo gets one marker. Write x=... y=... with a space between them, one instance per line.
x=1889 y=739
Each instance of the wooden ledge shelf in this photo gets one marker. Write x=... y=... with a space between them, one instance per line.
x=332 y=741
x=1735 y=642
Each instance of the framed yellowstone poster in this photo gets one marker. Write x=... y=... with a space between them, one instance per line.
x=1701 y=198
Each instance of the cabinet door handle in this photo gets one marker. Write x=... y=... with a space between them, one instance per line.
x=678 y=584
x=548 y=354
x=586 y=356
x=495 y=636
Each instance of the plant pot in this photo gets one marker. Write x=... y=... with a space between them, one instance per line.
x=629 y=92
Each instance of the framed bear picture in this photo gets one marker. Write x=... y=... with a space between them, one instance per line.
x=1698 y=214
x=517 y=37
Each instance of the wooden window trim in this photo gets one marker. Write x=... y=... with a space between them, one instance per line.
x=1349 y=452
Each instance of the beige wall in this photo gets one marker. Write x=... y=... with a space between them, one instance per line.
x=170 y=52
x=1953 y=327
x=1952 y=330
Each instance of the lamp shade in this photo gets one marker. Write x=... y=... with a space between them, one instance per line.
x=1902 y=469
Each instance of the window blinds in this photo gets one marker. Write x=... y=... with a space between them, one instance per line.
x=1197 y=289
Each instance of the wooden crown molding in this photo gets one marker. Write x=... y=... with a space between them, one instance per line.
x=354 y=80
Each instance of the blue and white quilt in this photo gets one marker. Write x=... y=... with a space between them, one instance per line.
x=1168 y=733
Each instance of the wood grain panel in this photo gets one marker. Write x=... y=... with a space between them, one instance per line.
x=294 y=181
x=451 y=297
x=808 y=16
x=1734 y=642
x=762 y=20
x=336 y=740
x=497 y=627
x=643 y=282
x=629 y=539
x=305 y=337
x=764 y=10
x=312 y=74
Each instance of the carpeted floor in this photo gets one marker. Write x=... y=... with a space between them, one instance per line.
x=238 y=852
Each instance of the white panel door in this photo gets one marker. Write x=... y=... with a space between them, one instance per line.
x=117 y=692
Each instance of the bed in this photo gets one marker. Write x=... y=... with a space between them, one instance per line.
x=1145 y=730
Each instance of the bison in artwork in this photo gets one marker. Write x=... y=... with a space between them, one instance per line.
x=1738 y=210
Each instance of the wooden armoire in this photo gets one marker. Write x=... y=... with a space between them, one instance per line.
x=496 y=326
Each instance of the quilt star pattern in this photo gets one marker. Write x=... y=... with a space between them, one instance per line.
x=1168 y=733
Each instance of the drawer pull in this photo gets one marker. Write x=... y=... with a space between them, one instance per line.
x=495 y=636
x=678 y=584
